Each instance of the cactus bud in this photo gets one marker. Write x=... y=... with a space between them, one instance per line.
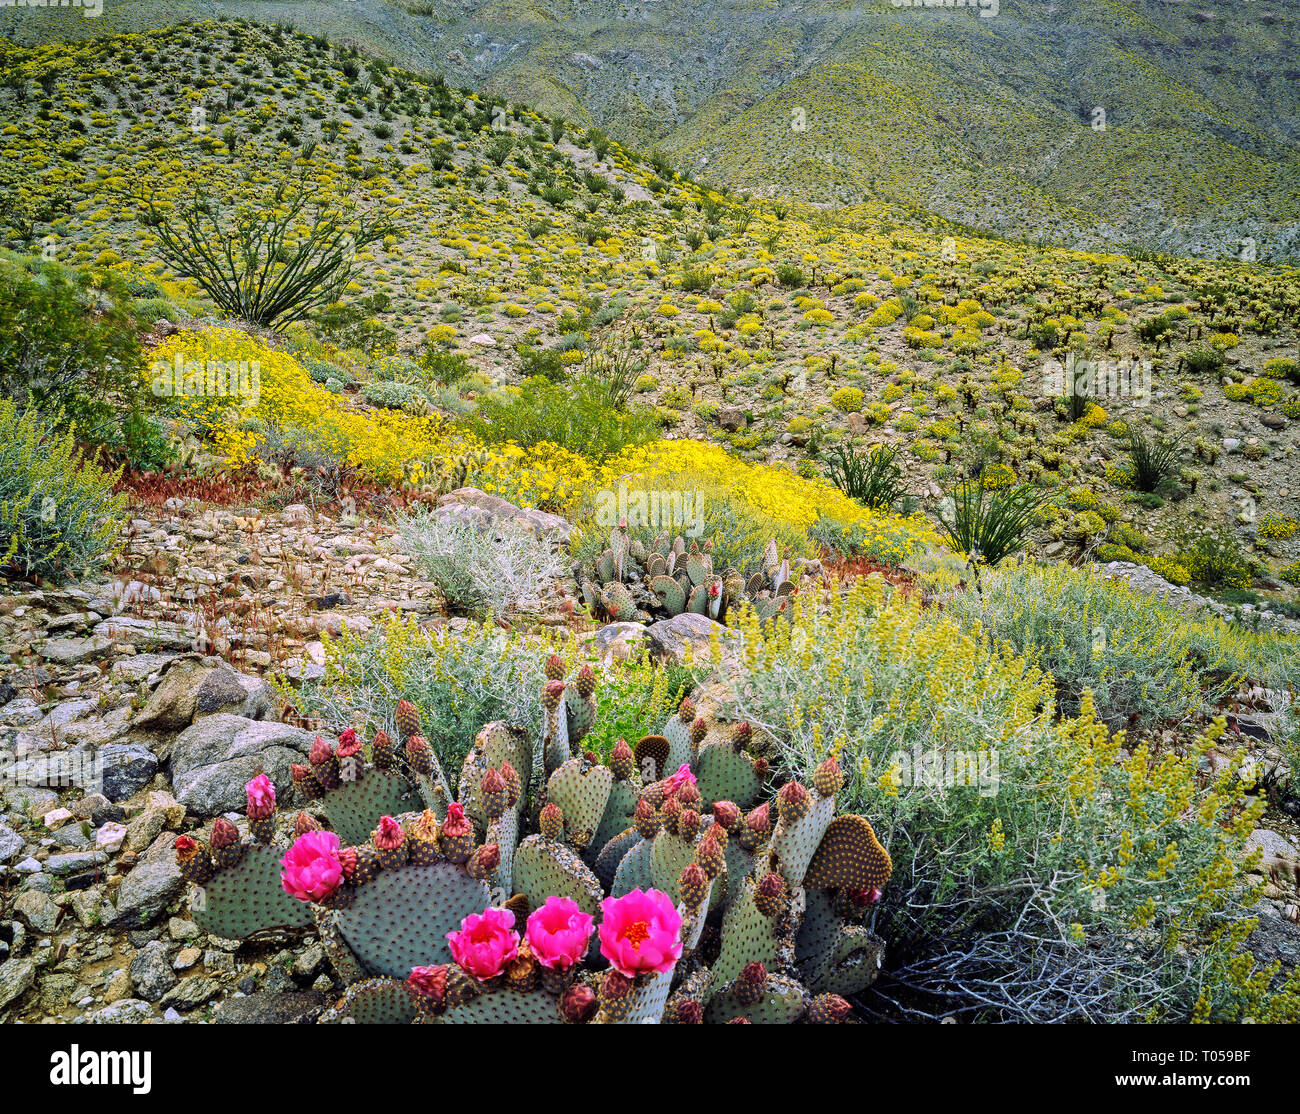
x=829 y=1009
x=621 y=761
x=793 y=803
x=688 y=1012
x=305 y=782
x=457 y=835
x=749 y=987
x=349 y=744
x=692 y=885
x=686 y=711
x=302 y=824
x=514 y=789
x=485 y=861
x=710 y=857
x=699 y=731
x=552 y=694
x=419 y=755
x=551 y=822
x=757 y=827
x=554 y=668
x=408 y=719
x=224 y=833
x=646 y=819
x=324 y=764
x=382 y=751
x=761 y=767
x=671 y=813
x=192 y=858
x=771 y=895
x=688 y=824
x=348 y=859
x=740 y=1021
x=828 y=777
x=726 y=815
x=578 y=1003
x=614 y=986
x=586 y=683
x=429 y=982
x=742 y=735
x=494 y=793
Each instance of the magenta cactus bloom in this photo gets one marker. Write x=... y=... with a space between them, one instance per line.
x=641 y=931
x=312 y=867
x=389 y=835
x=683 y=776
x=485 y=943
x=558 y=933
x=260 y=795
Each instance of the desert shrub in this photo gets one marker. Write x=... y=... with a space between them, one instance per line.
x=458 y=680
x=873 y=478
x=788 y=275
x=635 y=701
x=991 y=525
x=577 y=417
x=396 y=396
x=1043 y=869
x=478 y=571
x=847 y=399
x=1154 y=460
x=1203 y=361
x=443 y=367
x=58 y=513
x=1131 y=650
x=1212 y=556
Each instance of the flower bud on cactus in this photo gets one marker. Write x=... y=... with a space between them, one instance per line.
x=390 y=842
x=554 y=668
x=742 y=734
x=422 y=839
x=419 y=755
x=484 y=861
x=324 y=763
x=302 y=824
x=578 y=1003
x=552 y=694
x=621 y=761
x=748 y=988
x=686 y=711
x=771 y=895
x=522 y=972
x=304 y=782
x=349 y=744
x=699 y=731
x=740 y=1021
x=462 y=987
x=586 y=683
x=408 y=719
x=493 y=787
x=692 y=885
x=192 y=858
x=687 y=1011
x=614 y=987
x=726 y=815
x=793 y=803
x=646 y=819
x=688 y=824
x=758 y=826
x=225 y=845
x=551 y=822
x=383 y=751
x=348 y=860
x=514 y=789
x=429 y=983
x=829 y=1009
x=368 y=867
x=689 y=795
x=260 y=808
x=828 y=777
x=457 y=835
x=710 y=857
x=671 y=813
x=761 y=767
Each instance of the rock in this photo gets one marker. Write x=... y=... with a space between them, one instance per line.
x=109 y=837
x=627 y=633
x=732 y=419
x=180 y=929
x=483 y=339
x=10 y=843
x=56 y=818
x=309 y=963
x=469 y=504
x=16 y=976
x=73 y=651
x=128 y=768
x=153 y=883
x=269 y=1009
x=214 y=759
x=151 y=971
x=86 y=906
x=118 y=987
x=189 y=994
x=152 y=633
x=193 y=687
x=129 y=1011
x=144 y=829
x=1231 y=444
x=1272 y=421
x=20 y=712
x=1280 y=860
x=668 y=637
x=37 y=911
x=28 y=866
x=140 y=667
x=186 y=958
x=74 y=862
x=857 y=424
x=1275 y=940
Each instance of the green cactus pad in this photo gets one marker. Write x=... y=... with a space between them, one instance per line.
x=818 y=936
x=747 y=936
x=340 y=955
x=723 y=773
x=373 y=1002
x=634 y=872
x=401 y=919
x=670 y=594
x=680 y=750
x=693 y=927
x=657 y=565
x=649 y=996
x=582 y=714
x=505 y=1007
x=849 y=857
x=468 y=791
x=618 y=602
x=555 y=742
x=613 y=853
x=854 y=964
x=783 y=1003
x=547 y=868
x=698 y=568
x=504 y=832
x=795 y=846
x=247 y=898
x=739 y=863
x=581 y=794
x=618 y=813
x=354 y=807
x=606 y=568
x=669 y=856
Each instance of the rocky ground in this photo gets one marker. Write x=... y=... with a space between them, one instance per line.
x=145 y=699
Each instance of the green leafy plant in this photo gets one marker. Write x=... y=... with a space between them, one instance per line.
x=991 y=525
x=873 y=478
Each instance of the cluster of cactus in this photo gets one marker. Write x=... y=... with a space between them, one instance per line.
x=628 y=583
x=713 y=904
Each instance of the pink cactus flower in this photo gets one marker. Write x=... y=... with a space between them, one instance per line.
x=485 y=943
x=389 y=835
x=260 y=795
x=641 y=931
x=312 y=868
x=683 y=776
x=558 y=933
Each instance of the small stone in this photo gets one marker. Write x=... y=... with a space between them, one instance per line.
x=56 y=818
x=151 y=972
x=37 y=910
x=186 y=958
